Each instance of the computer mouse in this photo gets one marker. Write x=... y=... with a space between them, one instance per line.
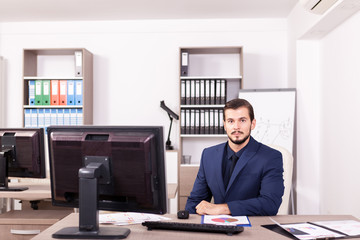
x=183 y=214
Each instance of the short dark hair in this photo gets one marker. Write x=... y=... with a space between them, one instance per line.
x=237 y=103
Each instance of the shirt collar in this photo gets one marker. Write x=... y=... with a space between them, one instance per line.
x=230 y=152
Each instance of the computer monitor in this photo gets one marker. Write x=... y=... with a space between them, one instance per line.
x=22 y=155
x=115 y=168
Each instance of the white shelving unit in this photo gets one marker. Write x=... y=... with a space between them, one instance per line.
x=205 y=63
x=60 y=64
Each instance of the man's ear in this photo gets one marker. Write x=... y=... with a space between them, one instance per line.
x=253 y=124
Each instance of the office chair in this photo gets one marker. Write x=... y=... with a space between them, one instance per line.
x=288 y=162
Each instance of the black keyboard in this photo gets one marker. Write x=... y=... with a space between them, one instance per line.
x=194 y=227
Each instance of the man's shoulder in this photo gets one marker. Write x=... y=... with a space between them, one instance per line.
x=262 y=148
x=268 y=150
x=217 y=147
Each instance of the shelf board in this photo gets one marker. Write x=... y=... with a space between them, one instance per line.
x=53 y=106
x=213 y=50
x=211 y=77
x=190 y=165
x=53 y=78
x=202 y=106
x=202 y=135
x=54 y=51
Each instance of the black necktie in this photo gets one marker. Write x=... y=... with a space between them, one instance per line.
x=234 y=159
x=227 y=174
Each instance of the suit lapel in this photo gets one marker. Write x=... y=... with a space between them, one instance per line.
x=218 y=165
x=249 y=152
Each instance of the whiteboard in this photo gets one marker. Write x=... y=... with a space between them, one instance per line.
x=275 y=115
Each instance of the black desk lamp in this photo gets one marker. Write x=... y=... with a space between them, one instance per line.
x=171 y=116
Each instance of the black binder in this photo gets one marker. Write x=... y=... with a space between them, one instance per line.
x=183 y=92
x=184 y=63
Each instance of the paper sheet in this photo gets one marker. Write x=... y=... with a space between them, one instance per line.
x=349 y=227
x=309 y=231
x=226 y=220
x=127 y=218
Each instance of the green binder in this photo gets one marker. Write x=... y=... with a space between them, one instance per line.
x=46 y=92
x=38 y=92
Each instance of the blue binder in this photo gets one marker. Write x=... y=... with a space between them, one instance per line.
x=27 y=120
x=53 y=116
x=78 y=92
x=73 y=116
x=41 y=118
x=60 y=116
x=79 y=116
x=70 y=98
x=66 y=116
x=47 y=117
x=31 y=92
x=34 y=117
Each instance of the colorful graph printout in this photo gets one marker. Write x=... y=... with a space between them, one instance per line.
x=226 y=220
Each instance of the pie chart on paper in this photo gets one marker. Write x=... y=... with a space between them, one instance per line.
x=224 y=220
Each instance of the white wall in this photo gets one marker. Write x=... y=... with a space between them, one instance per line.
x=327 y=74
x=136 y=66
x=340 y=117
x=136 y=63
x=2 y=91
x=308 y=125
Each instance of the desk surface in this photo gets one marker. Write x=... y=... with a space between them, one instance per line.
x=36 y=191
x=39 y=191
x=255 y=232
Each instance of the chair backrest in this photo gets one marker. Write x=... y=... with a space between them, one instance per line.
x=288 y=162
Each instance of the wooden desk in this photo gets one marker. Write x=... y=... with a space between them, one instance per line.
x=40 y=191
x=256 y=232
x=36 y=191
x=26 y=224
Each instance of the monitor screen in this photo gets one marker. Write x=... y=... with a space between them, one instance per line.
x=129 y=163
x=22 y=154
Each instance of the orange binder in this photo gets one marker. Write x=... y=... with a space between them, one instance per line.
x=54 y=92
x=63 y=92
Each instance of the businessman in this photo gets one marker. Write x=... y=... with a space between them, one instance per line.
x=244 y=177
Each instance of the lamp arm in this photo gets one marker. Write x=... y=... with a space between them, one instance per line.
x=168 y=142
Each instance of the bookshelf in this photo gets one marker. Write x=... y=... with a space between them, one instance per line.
x=57 y=87
x=2 y=92
x=209 y=77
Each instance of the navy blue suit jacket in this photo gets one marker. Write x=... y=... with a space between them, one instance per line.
x=255 y=187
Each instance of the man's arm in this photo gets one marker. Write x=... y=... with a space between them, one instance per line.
x=271 y=191
x=205 y=207
x=266 y=203
x=200 y=190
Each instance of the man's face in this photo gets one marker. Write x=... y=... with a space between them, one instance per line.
x=238 y=125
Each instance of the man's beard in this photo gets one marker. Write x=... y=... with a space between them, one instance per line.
x=240 y=141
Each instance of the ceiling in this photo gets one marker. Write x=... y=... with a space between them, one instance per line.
x=98 y=10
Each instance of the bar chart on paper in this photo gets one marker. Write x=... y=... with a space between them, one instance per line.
x=226 y=220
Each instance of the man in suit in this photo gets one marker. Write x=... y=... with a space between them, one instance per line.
x=242 y=175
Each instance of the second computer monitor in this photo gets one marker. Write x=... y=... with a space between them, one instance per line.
x=22 y=155
x=132 y=160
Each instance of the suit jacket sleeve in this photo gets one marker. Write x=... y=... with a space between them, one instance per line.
x=200 y=189
x=271 y=189
x=256 y=188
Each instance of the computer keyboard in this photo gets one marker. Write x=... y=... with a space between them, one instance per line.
x=194 y=227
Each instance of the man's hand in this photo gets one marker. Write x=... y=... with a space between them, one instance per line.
x=205 y=207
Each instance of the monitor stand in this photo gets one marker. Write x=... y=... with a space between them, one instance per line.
x=4 y=173
x=88 y=200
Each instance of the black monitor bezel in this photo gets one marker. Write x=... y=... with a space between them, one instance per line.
x=41 y=133
x=156 y=130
